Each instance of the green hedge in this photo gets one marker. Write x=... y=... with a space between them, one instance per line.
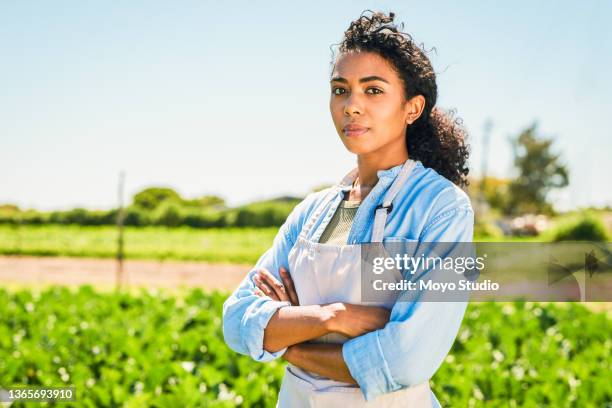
x=169 y=213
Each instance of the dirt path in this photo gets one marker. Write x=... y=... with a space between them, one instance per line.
x=41 y=271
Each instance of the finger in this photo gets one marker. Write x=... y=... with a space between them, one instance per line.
x=267 y=290
x=258 y=282
x=288 y=282
x=258 y=292
x=274 y=283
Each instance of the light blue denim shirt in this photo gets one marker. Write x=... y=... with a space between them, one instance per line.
x=419 y=335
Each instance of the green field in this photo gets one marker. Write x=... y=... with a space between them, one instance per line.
x=235 y=245
x=156 y=349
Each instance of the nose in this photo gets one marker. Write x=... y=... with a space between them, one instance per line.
x=353 y=106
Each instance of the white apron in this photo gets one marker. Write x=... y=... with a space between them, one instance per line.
x=327 y=273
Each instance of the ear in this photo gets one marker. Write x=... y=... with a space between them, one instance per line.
x=414 y=108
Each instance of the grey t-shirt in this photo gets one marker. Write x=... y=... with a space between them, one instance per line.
x=339 y=226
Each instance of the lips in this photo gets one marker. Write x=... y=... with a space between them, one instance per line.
x=354 y=130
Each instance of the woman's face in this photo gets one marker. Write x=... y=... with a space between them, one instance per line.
x=367 y=104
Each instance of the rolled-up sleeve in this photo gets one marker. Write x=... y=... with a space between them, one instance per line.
x=246 y=315
x=419 y=335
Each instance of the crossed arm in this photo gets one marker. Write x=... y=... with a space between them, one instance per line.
x=383 y=355
x=292 y=326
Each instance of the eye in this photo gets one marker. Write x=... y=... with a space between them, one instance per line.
x=375 y=91
x=336 y=91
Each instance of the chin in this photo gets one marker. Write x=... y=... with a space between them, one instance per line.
x=359 y=148
x=357 y=145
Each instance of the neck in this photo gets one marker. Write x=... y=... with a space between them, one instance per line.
x=369 y=164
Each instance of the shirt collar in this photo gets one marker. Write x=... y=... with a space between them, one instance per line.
x=392 y=172
x=347 y=181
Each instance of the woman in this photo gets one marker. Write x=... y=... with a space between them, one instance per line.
x=301 y=301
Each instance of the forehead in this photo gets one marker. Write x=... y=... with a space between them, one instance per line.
x=357 y=65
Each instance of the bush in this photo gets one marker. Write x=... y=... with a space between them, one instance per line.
x=487 y=229
x=585 y=227
x=8 y=216
x=198 y=218
x=168 y=214
x=136 y=217
x=263 y=214
x=81 y=216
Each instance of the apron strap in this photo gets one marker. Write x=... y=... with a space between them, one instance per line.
x=346 y=181
x=382 y=210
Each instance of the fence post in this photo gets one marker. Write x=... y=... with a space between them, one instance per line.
x=120 y=215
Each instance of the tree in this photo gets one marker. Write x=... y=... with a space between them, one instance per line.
x=206 y=201
x=540 y=171
x=493 y=190
x=151 y=197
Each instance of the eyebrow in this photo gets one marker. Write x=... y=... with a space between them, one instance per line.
x=362 y=80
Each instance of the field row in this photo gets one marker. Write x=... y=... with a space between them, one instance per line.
x=234 y=245
x=156 y=349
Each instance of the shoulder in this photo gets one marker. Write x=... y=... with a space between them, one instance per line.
x=304 y=210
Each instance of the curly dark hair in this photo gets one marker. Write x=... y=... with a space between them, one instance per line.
x=436 y=138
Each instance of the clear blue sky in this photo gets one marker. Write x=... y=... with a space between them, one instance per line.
x=231 y=98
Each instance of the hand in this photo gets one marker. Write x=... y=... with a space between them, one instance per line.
x=355 y=320
x=268 y=285
x=288 y=355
